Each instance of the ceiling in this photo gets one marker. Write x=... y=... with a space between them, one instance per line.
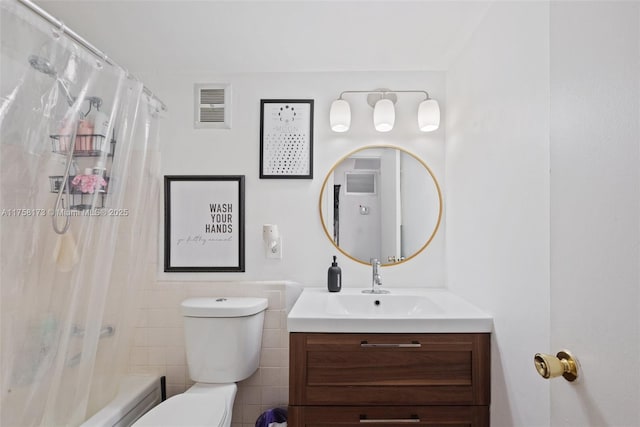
x=273 y=36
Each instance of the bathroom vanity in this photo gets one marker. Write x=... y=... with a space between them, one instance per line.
x=418 y=356
x=433 y=369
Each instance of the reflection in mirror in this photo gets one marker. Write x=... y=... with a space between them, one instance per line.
x=380 y=202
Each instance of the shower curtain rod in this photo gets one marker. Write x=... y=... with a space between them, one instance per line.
x=80 y=40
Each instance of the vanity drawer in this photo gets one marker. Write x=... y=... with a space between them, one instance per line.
x=433 y=416
x=389 y=369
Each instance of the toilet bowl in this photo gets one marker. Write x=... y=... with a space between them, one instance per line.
x=223 y=338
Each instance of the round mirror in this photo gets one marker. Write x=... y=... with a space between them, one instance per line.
x=380 y=202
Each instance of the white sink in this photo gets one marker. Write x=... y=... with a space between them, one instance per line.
x=402 y=310
x=379 y=305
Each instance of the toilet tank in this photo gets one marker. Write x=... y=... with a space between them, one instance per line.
x=223 y=337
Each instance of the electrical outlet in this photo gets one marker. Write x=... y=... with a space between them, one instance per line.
x=275 y=252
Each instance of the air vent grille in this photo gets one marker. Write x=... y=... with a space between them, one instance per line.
x=212 y=96
x=360 y=183
x=212 y=115
x=212 y=103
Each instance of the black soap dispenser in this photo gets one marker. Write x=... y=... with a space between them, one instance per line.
x=334 y=277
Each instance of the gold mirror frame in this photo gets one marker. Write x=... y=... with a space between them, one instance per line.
x=367 y=147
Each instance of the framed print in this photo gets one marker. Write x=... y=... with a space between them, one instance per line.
x=286 y=138
x=204 y=223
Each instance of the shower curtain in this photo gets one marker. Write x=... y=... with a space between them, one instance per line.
x=67 y=300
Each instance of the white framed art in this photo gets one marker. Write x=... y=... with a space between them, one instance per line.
x=204 y=223
x=286 y=138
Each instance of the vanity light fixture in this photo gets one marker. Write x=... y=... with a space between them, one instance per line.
x=340 y=115
x=428 y=115
x=384 y=114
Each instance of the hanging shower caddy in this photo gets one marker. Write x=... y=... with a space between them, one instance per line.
x=86 y=145
x=88 y=187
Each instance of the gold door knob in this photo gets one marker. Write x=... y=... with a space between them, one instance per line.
x=563 y=363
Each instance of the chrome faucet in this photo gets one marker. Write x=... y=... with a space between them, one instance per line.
x=376 y=279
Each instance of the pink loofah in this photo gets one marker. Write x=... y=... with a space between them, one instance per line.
x=88 y=183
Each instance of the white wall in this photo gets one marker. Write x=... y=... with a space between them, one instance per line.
x=497 y=197
x=293 y=204
x=595 y=209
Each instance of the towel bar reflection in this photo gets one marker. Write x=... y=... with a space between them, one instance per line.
x=106 y=331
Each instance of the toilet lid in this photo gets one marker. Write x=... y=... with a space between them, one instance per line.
x=186 y=410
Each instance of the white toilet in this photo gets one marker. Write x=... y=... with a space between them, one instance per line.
x=223 y=338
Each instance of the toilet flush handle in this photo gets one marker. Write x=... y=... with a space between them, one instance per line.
x=563 y=363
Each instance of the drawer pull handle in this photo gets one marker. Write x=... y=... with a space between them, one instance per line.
x=413 y=344
x=413 y=419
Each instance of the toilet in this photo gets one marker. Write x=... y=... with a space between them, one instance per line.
x=223 y=338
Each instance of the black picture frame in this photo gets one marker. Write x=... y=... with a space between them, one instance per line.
x=286 y=138
x=204 y=218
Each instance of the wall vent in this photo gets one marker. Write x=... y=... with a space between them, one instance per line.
x=360 y=183
x=212 y=106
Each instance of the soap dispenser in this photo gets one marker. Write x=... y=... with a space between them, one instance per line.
x=334 y=277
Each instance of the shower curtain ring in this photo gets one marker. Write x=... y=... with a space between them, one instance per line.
x=59 y=30
x=104 y=59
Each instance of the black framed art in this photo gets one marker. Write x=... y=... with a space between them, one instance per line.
x=286 y=138
x=204 y=223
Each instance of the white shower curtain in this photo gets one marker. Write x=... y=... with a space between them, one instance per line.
x=67 y=300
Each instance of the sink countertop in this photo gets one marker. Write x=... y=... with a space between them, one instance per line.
x=415 y=310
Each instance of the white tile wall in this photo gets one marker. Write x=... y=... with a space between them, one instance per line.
x=158 y=342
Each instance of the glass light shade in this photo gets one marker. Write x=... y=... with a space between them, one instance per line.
x=429 y=115
x=340 y=115
x=384 y=115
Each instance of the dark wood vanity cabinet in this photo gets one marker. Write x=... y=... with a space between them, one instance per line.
x=389 y=379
